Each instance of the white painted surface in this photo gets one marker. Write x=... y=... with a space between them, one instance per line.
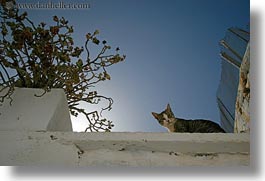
x=28 y=137
x=123 y=149
x=28 y=112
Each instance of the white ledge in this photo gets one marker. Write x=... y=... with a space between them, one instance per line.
x=123 y=149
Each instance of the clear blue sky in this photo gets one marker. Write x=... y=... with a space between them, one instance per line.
x=172 y=54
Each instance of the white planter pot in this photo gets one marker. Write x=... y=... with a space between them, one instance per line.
x=30 y=113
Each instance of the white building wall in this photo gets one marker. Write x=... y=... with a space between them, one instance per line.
x=44 y=138
x=123 y=149
x=242 y=112
x=27 y=112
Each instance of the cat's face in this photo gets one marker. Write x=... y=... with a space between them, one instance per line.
x=166 y=118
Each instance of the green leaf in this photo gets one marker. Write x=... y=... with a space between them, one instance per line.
x=95 y=40
x=23 y=16
x=88 y=36
x=106 y=75
x=63 y=21
x=55 y=18
x=79 y=63
x=4 y=32
x=96 y=32
x=42 y=24
x=71 y=29
x=11 y=24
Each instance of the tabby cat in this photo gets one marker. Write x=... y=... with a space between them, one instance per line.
x=173 y=124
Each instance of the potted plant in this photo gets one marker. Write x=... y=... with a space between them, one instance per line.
x=42 y=56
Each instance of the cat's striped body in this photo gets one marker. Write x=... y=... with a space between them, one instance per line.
x=196 y=126
x=168 y=120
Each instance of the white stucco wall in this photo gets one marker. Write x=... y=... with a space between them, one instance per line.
x=28 y=112
x=123 y=149
x=37 y=131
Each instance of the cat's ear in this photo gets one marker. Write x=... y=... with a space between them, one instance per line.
x=155 y=115
x=169 y=111
x=168 y=107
